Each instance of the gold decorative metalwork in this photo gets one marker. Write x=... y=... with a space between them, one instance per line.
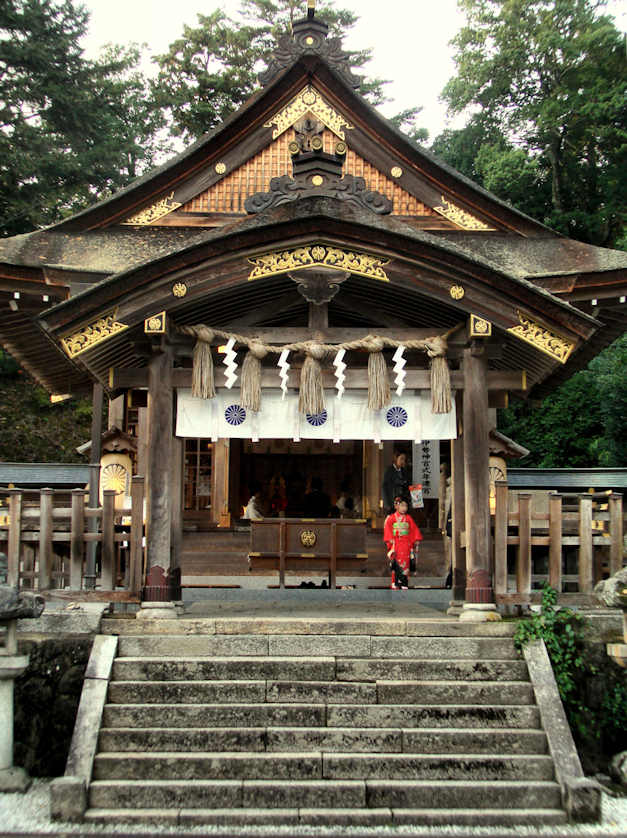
x=459 y=216
x=154 y=212
x=457 y=292
x=155 y=325
x=308 y=538
x=542 y=338
x=220 y=168
x=308 y=101
x=92 y=335
x=179 y=289
x=479 y=328
x=318 y=255
x=115 y=477
x=317 y=180
x=341 y=148
x=396 y=171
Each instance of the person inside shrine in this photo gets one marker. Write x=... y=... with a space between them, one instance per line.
x=396 y=481
x=401 y=536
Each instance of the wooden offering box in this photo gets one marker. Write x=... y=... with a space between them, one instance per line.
x=303 y=544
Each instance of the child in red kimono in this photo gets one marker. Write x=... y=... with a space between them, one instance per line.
x=401 y=536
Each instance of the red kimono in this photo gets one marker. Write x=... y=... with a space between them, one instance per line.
x=400 y=534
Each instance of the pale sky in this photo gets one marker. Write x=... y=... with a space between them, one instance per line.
x=409 y=38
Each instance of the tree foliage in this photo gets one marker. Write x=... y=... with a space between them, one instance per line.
x=212 y=69
x=581 y=424
x=551 y=74
x=70 y=129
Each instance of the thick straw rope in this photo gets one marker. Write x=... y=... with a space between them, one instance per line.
x=311 y=399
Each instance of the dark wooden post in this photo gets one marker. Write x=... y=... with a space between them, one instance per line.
x=77 y=539
x=45 y=539
x=333 y=567
x=523 y=562
x=94 y=482
x=282 y=549
x=137 y=534
x=458 y=553
x=586 y=581
x=15 y=535
x=555 y=542
x=479 y=595
x=159 y=536
x=615 y=507
x=501 y=519
x=107 y=571
x=177 y=500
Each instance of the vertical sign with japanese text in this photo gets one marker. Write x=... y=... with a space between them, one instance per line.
x=426 y=466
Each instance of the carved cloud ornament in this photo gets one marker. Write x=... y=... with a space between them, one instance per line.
x=542 y=338
x=103 y=329
x=308 y=101
x=318 y=255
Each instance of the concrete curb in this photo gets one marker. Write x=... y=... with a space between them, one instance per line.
x=68 y=794
x=581 y=797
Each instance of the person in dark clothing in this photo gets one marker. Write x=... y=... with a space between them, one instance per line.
x=396 y=482
x=317 y=502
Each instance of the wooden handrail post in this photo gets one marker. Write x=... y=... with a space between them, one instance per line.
x=15 y=533
x=77 y=539
x=501 y=515
x=107 y=570
x=586 y=581
x=615 y=506
x=523 y=564
x=135 y=578
x=45 y=539
x=555 y=542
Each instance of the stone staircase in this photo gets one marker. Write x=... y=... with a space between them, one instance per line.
x=262 y=722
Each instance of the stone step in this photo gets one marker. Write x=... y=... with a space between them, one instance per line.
x=221 y=794
x=223 y=668
x=321 y=692
x=216 y=715
x=455 y=692
x=175 y=645
x=355 y=740
x=430 y=716
x=398 y=669
x=188 y=692
x=388 y=627
x=445 y=648
x=328 y=817
x=207 y=766
x=461 y=794
x=137 y=765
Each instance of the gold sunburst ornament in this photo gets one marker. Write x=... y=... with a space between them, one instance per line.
x=115 y=477
x=308 y=538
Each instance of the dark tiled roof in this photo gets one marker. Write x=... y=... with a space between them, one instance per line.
x=580 y=479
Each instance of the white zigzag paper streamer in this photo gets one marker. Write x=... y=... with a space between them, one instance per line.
x=340 y=366
x=399 y=369
x=284 y=369
x=230 y=363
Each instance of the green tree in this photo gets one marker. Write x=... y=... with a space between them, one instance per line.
x=581 y=424
x=65 y=137
x=212 y=69
x=552 y=74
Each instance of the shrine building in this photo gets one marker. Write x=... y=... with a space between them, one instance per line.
x=300 y=293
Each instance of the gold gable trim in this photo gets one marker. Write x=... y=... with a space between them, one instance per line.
x=318 y=256
x=543 y=339
x=459 y=216
x=92 y=335
x=308 y=101
x=153 y=213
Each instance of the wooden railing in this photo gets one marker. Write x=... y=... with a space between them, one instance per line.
x=46 y=543
x=588 y=522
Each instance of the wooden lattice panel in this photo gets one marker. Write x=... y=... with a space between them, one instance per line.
x=229 y=194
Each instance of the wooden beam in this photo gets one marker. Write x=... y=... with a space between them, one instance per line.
x=356 y=379
x=261 y=313
x=319 y=317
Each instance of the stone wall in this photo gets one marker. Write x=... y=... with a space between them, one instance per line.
x=46 y=700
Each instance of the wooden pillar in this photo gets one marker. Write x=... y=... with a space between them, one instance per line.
x=220 y=512
x=615 y=506
x=15 y=537
x=523 y=560
x=77 y=539
x=94 y=481
x=501 y=519
x=458 y=553
x=107 y=568
x=177 y=500
x=373 y=480
x=136 y=574
x=45 y=539
x=479 y=595
x=586 y=570
x=142 y=442
x=116 y=413
x=555 y=542
x=159 y=535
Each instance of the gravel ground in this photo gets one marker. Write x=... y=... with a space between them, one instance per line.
x=28 y=814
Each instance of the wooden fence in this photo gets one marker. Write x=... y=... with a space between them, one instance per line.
x=582 y=521
x=46 y=543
